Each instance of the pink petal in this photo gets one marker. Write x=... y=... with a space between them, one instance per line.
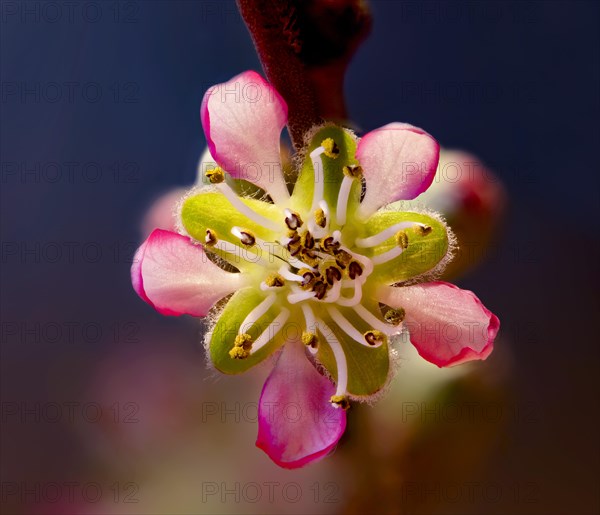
x=297 y=425
x=242 y=121
x=447 y=325
x=399 y=162
x=176 y=277
x=137 y=280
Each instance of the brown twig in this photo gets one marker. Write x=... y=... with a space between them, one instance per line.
x=305 y=47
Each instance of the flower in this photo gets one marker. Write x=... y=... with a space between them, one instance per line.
x=323 y=278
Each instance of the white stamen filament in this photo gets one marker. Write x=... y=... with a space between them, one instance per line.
x=311 y=324
x=340 y=358
x=256 y=313
x=355 y=299
x=380 y=237
x=342 y=204
x=309 y=317
x=286 y=274
x=348 y=328
x=374 y=322
x=323 y=205
x=299 y=296
x=387 y=256
x=296 y=263
x=271 y=330
x=318 y=171
x=333 y=294
x=236 y=201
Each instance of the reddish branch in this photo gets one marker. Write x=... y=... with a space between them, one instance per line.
x=305 y=47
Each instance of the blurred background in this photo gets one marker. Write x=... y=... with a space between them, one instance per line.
x=108 y=407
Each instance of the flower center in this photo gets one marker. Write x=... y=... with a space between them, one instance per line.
x=317 y=266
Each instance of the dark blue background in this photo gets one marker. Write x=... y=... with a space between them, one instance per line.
x=515 y=83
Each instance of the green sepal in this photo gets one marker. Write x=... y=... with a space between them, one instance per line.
x=333 y=174
x=212 y=210
x=424 y=252
x=368 y=368
x=223 y=335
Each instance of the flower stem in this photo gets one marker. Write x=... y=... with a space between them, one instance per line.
x=305 y=47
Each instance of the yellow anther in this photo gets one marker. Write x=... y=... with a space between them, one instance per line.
x=307 y=240
x=243 y=340
x=375 y=337
x=211 y=238
x=241 y=346
x=239 y=353
x=328 y=244
x=342 y=258
x=394 y=316
x=331 y=148
x=215 y=176
x=274 y=281
x=402 y=239
x=308 y=257
x=341 y=401
x=320 y=218
x=354 y=171
x=310 y=339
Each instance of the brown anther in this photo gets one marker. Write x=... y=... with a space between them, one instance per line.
x=309 y=257
x=354 y=270
x=340 y=401
x=320 y=288
x=211 y=238
x=333 y=274
x=354 y=171
x=328 y=244
x=425 y=229
x=342 y=258
x=320 y=218
x=293 y=221
x=307 y=240
x=309 y=278
x=331 y=148
x=394 y=316
x=375 y=337
x=275 y=281
x=294 y=245
x=402 y=239
x=247 y=239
